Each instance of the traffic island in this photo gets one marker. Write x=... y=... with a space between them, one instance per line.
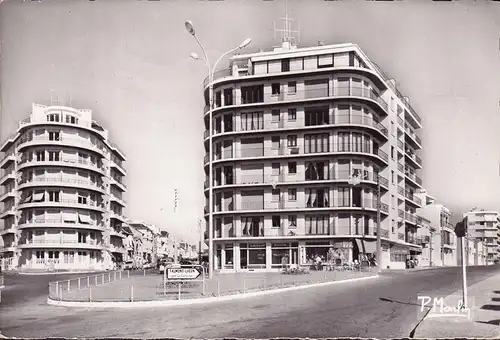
x=153 y=291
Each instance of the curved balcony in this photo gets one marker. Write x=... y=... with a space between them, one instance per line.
x=61 y=181
x=61 y=141
x=7 y=160
x=119 y=217
x=69 y=244
x=8 y=211
x=227 y=76
x=73 y=163
x=118 y=166
x=299 y=179
x=282 y=206
x=62 y=203
x=118 y=200
x=365 y=95
x=7 y=178
x=340 y=121
x=59 y=223
x=88 y=126
x=7 y=231
x=413 y=179
x=327 y=149
x=118 y=183
x=8 y=194
x=411 y=198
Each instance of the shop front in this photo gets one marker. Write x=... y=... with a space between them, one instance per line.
x=399 y=255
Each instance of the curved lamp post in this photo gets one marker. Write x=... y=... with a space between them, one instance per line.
x=211 y=69
x=355 y=180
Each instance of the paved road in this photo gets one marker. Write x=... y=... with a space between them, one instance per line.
x=384 y=307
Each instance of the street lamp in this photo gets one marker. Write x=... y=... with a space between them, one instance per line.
x=211 y=69
x=355 y=180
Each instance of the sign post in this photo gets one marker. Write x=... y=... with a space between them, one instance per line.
x=191 y=273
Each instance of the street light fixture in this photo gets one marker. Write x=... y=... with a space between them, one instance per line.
x=211 y=69
x=354 y=180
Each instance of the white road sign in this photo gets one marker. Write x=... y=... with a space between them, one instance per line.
x=182 y=273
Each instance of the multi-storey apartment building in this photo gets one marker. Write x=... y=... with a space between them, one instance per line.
x=148 y=240
x=62 y=195
x=290 y=128
x=483 y=227
x=443 y=245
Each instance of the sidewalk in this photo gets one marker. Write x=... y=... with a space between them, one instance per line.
x=484 y=302
x=150 y=287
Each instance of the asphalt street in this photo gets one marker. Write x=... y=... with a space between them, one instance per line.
x=383 y=307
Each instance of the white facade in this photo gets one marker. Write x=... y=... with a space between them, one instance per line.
x=62 y=195
x=290 y=127
x=483 y=226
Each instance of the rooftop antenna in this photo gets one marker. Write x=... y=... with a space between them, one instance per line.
x=287 y=37
x=54 y=98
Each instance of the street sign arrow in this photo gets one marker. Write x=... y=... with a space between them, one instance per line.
x=183 y=273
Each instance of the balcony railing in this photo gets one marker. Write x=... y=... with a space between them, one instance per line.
x=7 y=155
x=319 y=93
x=411 y=154
x=11 y=173
x=413 y=177
x=61 y=241
x=401 y=167
x=61 y=179
x=283 y=205
x=68 y=161
x=339 y=119
x=308 y=149
x=401 y=145
x=413 y=134
x=401 y=236
x=294 y=178
x=409 y=195
x=65 y=202
x=63 y=139
x=410 y=217
x=383 y=233
x=401 y=190
x=400 y=122
x=38 y=220
x=401 y=213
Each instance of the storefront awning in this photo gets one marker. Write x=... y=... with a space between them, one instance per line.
x=84 y=219
x=415 y=249
x=38 y=197
x=68 y=217
x=366 y=247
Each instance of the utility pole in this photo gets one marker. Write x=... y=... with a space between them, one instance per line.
x=430 y=248
x=200 y=252
x=461 y=232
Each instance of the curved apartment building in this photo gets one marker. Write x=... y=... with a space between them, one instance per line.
x=290 y=127
x=62 y=193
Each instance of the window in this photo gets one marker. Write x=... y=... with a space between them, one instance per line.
x=218 y=98
x=275 y=89
x=276 y=221
x=292 y=87
x=82 y=200
x=276 y=195
x=344 y=197
x=53 y=135
x=285 y=65
x=292 y=167
x=53 y=156
x=292 y=221
x=292 y=140
x=54 y=117
x=40 y=156
x=292 y=194
x=54 y=196
x=252 y=121
x=325 y=60
x=71 y=119
x=392 y=153
x=292 y=114
x=275 y=142
x=393 y=180
x=275 y=116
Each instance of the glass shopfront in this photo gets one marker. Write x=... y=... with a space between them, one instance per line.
x=229 y=256
x=326 y=251
x=284 y=254
x=253 y=256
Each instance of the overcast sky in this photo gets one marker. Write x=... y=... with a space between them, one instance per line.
x=129 y=62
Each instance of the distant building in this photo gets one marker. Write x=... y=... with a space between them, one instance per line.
x=443 y=239
x=483 y=227
x=62 y=196
x=146 y=241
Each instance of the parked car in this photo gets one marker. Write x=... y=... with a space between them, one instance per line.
x=128 y=265
x=147 y=266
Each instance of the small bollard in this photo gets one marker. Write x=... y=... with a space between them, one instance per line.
x=244 y=286
x=60 y=294
x=115 y=276
x=103 y=278
x=120 y=274
x=324 y=276
x=164 y=288
x=88 y=281
x=131 y=293
x=79 y=283
x=90 y=294
x=281 y=279
x=69 y=285
x=57 y=288
x=144 y=272
x=109 y=277
x=128 y=274
x=218 y=288
x=179 y=296
x=203 y=288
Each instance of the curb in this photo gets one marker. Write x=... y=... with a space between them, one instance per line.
x=171 y=303
x=61 y=273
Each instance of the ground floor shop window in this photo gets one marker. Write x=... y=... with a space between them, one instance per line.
x=218 y=258
x=229 y=254
x=399 y=254
x=284 y=254
x=253 y=256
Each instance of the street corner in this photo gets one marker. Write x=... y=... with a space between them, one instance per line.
x=454 y=328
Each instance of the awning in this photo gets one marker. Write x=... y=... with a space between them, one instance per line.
x=27 y=199
x=68 y=217
x=38 y=197
x=366 y=247
x=85 y=219
x=415 y=249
